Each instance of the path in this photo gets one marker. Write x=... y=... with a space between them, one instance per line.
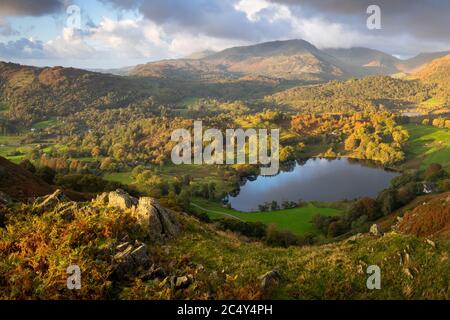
x=218 y=212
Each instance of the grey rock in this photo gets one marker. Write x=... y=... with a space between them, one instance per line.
x=158 y=220
x=270 y=279
x=182 y=282
x=50 y=202
x=140 y=255
x=375 y=230
x=130 y=258
x=122 y=200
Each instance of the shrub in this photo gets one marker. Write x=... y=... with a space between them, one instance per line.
x=47 y=174
x=248 y=229
x=279 y=238
x=364 y=206
x=86 y=183
x=433 y=172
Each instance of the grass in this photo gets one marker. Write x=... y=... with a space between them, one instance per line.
x=427 y=145
x=121 y=177
x=297 y=220
x=44 y=124
x=10 y=139
x=433 y=102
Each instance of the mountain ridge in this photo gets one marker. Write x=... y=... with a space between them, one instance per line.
x=285 y=59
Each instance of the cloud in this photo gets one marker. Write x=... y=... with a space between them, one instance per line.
x=156 y=29
x=30 y=7
x=22 y=49
x=6 y=29
x=422 y=19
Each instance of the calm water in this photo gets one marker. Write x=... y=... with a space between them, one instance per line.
x=317 y=179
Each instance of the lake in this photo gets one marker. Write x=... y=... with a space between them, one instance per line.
x=317 y=179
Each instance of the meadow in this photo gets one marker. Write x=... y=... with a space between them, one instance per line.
x=427 y=145
x=296 y=220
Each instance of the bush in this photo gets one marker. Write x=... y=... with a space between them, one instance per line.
x=434 y=172
x=249 y=229
x=364 y=206
x=47 y=174
x=86 y=183
x=278 y=238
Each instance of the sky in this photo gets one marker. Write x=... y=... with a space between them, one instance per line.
x=120 y=33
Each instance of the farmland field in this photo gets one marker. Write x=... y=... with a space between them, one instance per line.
x=427 y=145
x=296 y=220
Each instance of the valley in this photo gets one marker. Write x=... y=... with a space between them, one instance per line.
x=86 y=170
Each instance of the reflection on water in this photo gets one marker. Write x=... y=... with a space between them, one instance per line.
x=314 y=180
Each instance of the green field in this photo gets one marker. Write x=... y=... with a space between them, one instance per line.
x=121 y=177
x=297 y=220
x=427 y=145
x=44 y=124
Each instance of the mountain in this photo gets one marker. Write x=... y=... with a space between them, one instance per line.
x=415 y=63
x=437 y=71
x=116 y=71
x=364 y=61
x=292 y=59
x=200 y=54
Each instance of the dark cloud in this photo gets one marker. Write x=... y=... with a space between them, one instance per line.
x=30 y=7
x=214 y=18
x=428 y=19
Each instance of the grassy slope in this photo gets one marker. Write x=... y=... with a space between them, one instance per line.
x=44 y=124
x=334 y=271
x=297 y=220
x=427 y=145
x=122 y=177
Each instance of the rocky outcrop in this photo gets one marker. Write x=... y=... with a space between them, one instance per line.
x=270 y=280
x=50 y=202
x=122 y=200
x=158 y=221
x=375 y=231
x=129 y=258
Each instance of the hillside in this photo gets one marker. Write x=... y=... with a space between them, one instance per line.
x=123 y=257
x=19 y=183
x=38 y=93
x=364 y=61
x=369 y=93
x=437 y=71
x=414 y=64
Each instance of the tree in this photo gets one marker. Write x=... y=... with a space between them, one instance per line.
x=365 y=206
x=47 y=174
x=433 y=172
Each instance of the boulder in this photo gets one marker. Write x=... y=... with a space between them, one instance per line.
x=182 y=282
x=158 y=220
x=375 y=231
x=50 y=202
x=120 y=199
x=130 y=258
x=270 y=279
